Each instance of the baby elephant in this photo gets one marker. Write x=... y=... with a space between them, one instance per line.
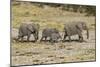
x=54 y=37
x=51 y=33
x=26 y=29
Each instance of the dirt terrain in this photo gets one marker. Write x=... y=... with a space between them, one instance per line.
x=29 y=53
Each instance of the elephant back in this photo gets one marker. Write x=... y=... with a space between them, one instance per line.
x=23 y=29
x=71 y=28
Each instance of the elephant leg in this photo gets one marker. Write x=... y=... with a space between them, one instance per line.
x=28 y=37
x=18 y=38
x=41 y=38
x=50 y=40
x=36 y=36
x=80 y=37
x=64 y=37
x=69 y=38
x=22 y=38
x=45 y=38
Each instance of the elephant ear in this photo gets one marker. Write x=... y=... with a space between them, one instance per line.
x=30 y=27
x=37 y=26
x=79 y=26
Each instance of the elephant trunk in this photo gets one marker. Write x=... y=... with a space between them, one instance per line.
x=87 y=34
x=37 y=35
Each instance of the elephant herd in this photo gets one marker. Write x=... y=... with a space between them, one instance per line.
x=74 y=28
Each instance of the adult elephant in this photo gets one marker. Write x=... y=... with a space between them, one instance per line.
x=75 y=28
x=26 y=29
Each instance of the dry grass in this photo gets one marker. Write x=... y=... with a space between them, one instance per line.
x=49 y=17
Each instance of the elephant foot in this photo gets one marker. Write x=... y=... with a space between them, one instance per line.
x=41 y=40
x=26 y=41
x=34 y=40
x=21 y=41
x=69 y=41
x=16 y=40
x=81 y=41
x=63 y=40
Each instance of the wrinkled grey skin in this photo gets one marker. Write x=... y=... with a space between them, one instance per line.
x=28 y=29
x=54 y=37
x=49 y=33
x=75 y=28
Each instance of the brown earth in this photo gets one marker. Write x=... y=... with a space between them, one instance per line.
x=29 y=53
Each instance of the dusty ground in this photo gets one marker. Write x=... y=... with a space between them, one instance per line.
x=47 y=53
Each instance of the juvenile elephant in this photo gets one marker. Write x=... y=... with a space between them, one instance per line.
x=28 y=29
x=54 y=37
x=51 y=33
x=75 y=28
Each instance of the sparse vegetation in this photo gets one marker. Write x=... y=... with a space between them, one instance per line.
x=50 y=16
